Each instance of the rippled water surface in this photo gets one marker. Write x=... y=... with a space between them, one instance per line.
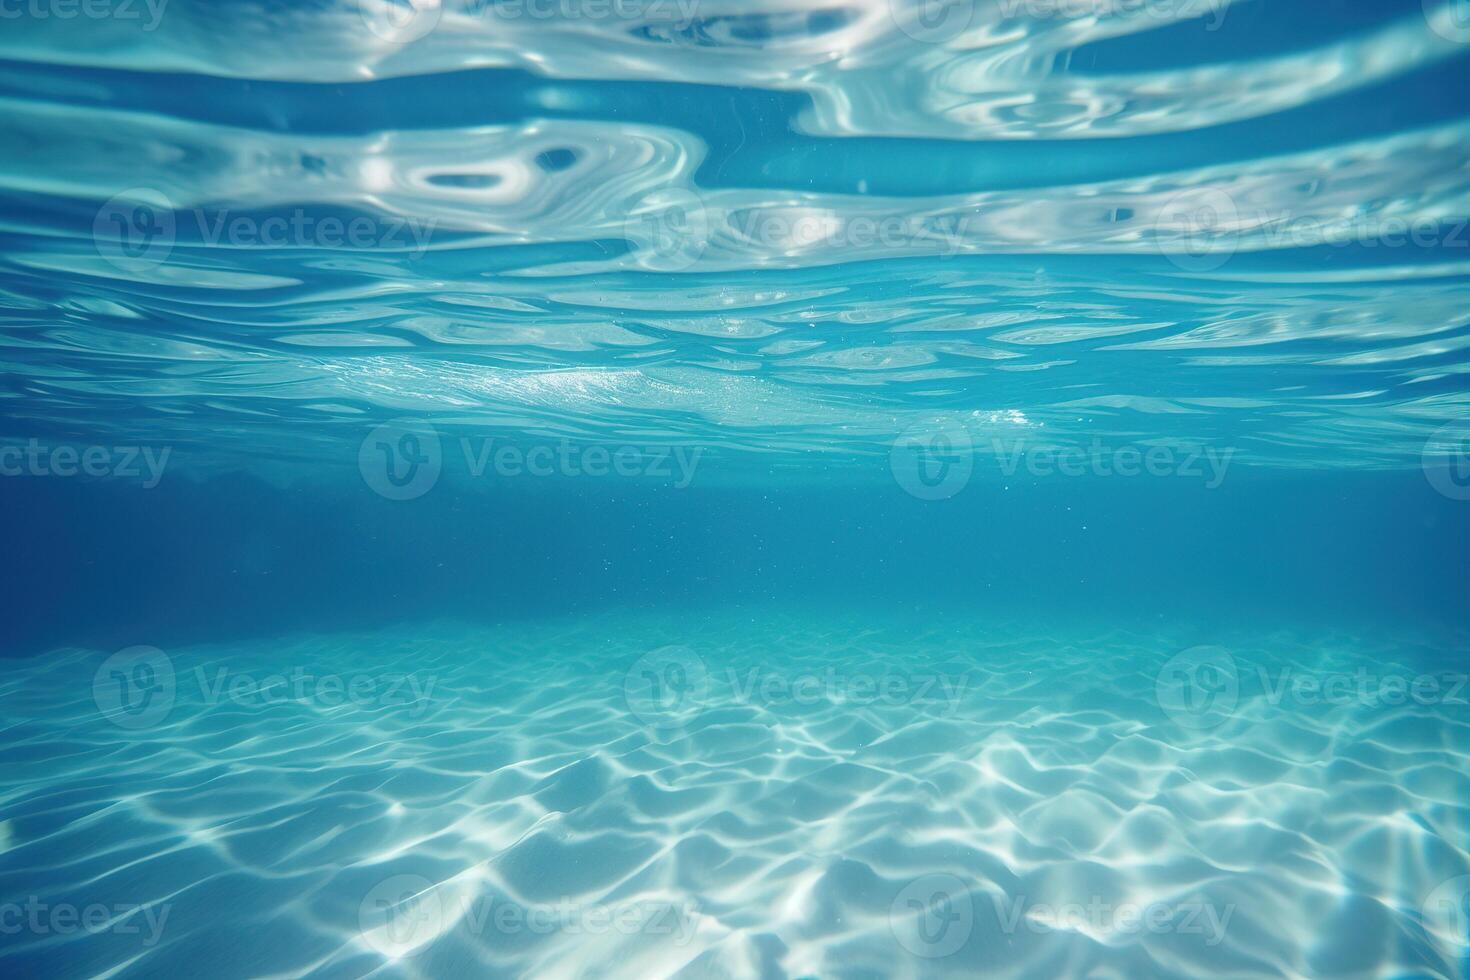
x=770 y=228
x=735 y=488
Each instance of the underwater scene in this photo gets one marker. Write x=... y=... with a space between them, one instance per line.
x=735 y=489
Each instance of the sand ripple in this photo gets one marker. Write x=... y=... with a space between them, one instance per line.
x=752 y=795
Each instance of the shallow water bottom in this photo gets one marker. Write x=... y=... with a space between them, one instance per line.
x=763 y=792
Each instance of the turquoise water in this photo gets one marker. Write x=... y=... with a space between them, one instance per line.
x=556 y=488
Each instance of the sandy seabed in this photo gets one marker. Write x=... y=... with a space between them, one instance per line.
x=734 y=795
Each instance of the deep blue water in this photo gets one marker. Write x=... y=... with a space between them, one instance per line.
x=569 y=488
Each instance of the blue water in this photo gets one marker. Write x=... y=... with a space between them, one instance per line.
x=687 y=488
